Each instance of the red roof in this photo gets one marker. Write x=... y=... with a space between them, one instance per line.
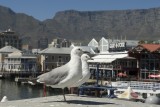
x=151 y=47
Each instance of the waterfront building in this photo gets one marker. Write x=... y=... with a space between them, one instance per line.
x=110 y=45
x=9 y=37
x=59 y=42
x=43 y=43
x=93 y=43
x=26 y=47
x=19 y=61
x=103 y=45
x=113 y=59
x=4 y=53
x=148 y=61
x=36 y=51
x=53 y=57
x=111 y=65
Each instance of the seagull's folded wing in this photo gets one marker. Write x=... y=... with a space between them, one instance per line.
x=55 y=76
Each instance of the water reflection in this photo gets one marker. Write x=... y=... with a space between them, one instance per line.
x=16 y=91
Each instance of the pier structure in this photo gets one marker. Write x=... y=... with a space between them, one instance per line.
x=13 y=74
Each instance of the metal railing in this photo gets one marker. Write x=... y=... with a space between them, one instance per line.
x=139 y=85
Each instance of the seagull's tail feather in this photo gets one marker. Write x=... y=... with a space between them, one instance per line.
x=43 y=77
x=32 y=81
x=39 y=81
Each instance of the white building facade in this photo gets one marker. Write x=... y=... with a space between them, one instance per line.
x=112 y=58
x=18 y=61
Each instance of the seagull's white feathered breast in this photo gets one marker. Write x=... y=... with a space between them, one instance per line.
x=85 y=71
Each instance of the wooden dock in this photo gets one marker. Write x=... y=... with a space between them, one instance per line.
x=14 y=74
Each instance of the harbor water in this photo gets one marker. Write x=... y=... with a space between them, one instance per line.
x=17 y=91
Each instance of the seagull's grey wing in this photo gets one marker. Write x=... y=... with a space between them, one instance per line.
x=55 y=76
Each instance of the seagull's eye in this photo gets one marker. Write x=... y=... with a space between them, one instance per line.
x=79 y=49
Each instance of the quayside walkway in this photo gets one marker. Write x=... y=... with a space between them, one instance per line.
x=73 y=101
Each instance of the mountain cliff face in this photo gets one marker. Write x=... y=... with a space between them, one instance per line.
x=142 y=24
x=135 y=24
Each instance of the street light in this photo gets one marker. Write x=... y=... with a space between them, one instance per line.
x=97 y=75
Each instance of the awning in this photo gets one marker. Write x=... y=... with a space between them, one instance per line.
x=154 y=76
x=108 y=58
x=122 y=74
x=102 y=60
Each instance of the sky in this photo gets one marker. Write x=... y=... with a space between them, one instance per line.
x=46 y=9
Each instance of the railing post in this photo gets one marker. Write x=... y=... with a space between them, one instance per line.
x=97 y=76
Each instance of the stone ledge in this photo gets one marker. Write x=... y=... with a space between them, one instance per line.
x=72 y=101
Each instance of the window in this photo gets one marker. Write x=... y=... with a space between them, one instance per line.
x=22 y=60
x=46 y=58
x=11 y=66
x=52 y=66
x=132 y=64
x=59 y=58
x=67 y=58
x=46 y=66
x=9 y=60
x=52 y=58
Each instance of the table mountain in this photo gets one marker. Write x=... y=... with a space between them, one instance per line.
x=140 y=24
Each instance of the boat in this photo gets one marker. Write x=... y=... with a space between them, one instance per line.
x=143 y=89
x=1 y=76
x=129 y=94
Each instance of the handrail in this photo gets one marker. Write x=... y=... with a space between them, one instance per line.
x=139 y=85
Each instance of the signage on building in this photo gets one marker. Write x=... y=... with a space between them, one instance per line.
x=119 y=46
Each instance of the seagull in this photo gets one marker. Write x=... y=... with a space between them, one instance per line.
x=4 y=99
x=85 y=71
x=64 y=75
x=32 y=83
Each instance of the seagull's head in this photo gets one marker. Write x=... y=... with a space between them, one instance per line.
x=77 y=51
x=85 y=57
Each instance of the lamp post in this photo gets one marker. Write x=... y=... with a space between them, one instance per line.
x=112 y=71
x=97 y=76
x=44 y=63
x=2 y=67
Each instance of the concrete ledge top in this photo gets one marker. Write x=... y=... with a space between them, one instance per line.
x=73 y=101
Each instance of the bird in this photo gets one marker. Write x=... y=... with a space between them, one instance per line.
x=64 y=75
x=4 y=99
x=85 y=71
x=32 y=83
